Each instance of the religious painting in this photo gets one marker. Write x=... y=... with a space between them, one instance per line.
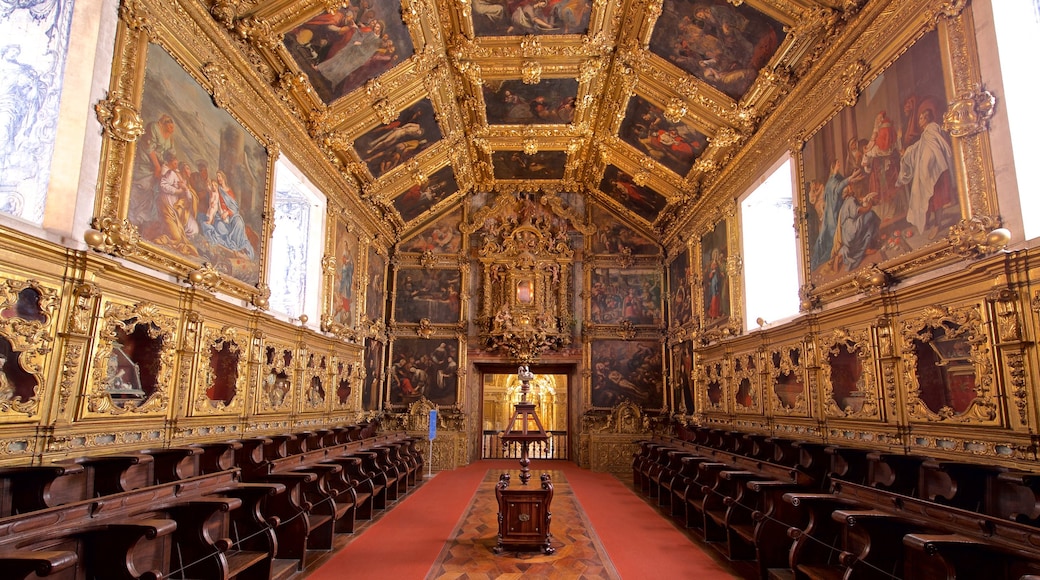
x=443 y=237
x=424 y=368
x=346 y=255
x=519 y=165
x=375 y=294
x=715 y=282
x=679 y=288
x=879 y=176
x=615 y=238
x=431 y=293
x=620 y=186
x=507 y=18
x=674 y=145
x=374 y=350
x=511 y=102
x=627 y=370
x=388 y=146
x=682 y=363
x=199 y=185
x=340 y=50
x=417 y=199
x=719 y=43
x=632 y=295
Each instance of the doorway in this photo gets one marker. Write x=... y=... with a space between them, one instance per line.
x=550 y=394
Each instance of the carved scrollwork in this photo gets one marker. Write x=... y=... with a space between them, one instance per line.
x=789 y=389
x=223 y=371
x=26 y=324
x=970 y=113
x=948 y=366
x=113 y=236
x=849 y=380
x=119 y=119
x=132 y=338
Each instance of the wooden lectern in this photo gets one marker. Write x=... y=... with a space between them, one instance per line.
x=523 y=512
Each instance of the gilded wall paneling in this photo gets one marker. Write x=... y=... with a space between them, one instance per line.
x=160 y=107
x=314 y=393
x=948 y=367
x=222 y=380
x=279 y=376
x=786 y=376
x=747 y=383
x=133 y=360
x=712 y=386
x=28 y=325
x=343 y=267
x=849 y=375
x=346 y=376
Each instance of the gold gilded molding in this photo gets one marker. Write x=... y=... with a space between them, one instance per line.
x=787 y=361
x=215 y=339
x=958 y=335
x=160 y=328
x=119 y=119
x=852 y=349
x=27 y=320
x=970 y=113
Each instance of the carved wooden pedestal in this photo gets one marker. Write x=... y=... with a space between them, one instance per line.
x=523 y=516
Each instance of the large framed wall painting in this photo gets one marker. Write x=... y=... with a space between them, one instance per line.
x=424 y=368
x=433 y=294
x=679 y=289
x=370 y=394
x=198 y=182
x=343 y=306
x=715 y=283
x=375 y=293
x=879 y=178
x=627 y=370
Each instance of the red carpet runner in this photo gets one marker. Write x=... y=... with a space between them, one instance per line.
x=407 y=541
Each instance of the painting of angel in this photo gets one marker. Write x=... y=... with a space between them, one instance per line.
x=674 y=145
x=719 y=43
x=342 y=49
x=388 y=146
x=443 y=237
x=417 y=199
x=523 y=17
x=620 y=186
x=880 y=175
x=424 y=368
x=199 y=184
x=511 y=102
x=519 y=165
x=630 y=370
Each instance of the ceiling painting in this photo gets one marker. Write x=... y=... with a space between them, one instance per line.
x=519 y=18
x=340 y=50
x=519 y=165
x=614 y=237
x=719 y=43
x=511 y=102
x=674 y=145
x=622 y=188
x=419 y=199
x=388 y=146
x=442 y=237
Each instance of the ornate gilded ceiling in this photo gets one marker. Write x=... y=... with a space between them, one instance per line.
x=640 y=104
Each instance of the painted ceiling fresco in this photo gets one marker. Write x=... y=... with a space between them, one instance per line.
x=639 y=105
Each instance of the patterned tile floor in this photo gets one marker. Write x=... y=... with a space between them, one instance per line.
x=468 y=554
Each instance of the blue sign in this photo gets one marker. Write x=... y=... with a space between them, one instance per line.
x=433 y=424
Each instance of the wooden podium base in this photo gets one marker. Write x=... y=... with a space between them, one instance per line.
x=523 y=516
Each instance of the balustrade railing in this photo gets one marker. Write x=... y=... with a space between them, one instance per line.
x=554 y=448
